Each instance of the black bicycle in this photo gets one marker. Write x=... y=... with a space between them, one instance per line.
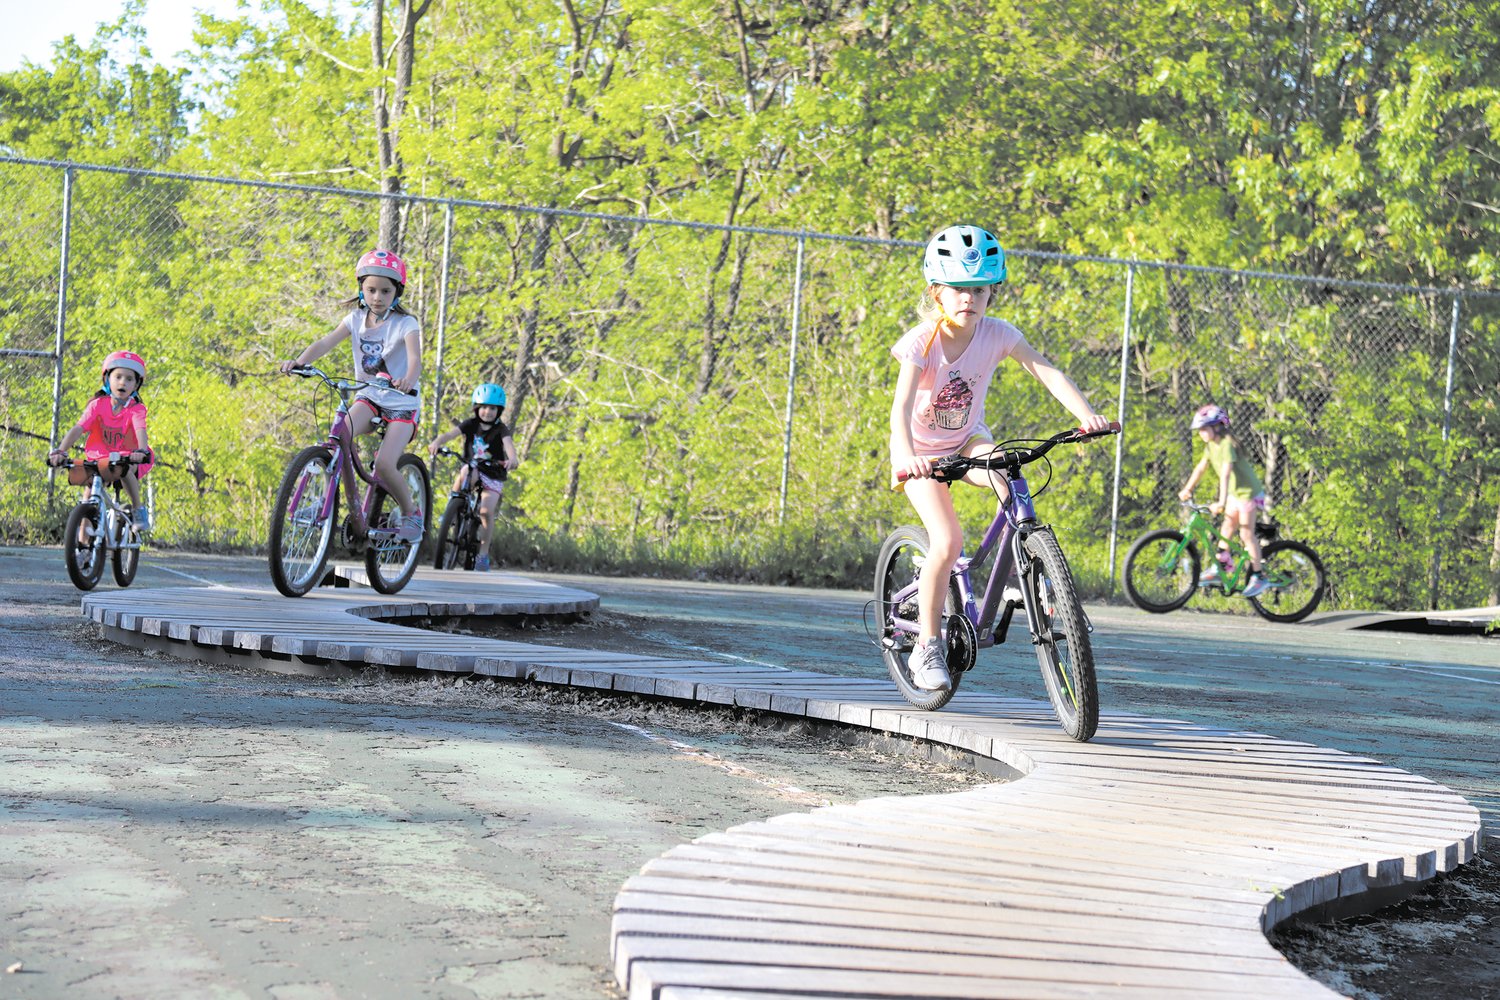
x=458 y=541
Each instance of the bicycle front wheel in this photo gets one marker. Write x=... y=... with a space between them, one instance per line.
x=1161 y=571
x=127 y=560
x=900 y=563
x=390 y=561
x=1062 y=638
x=300 y=535
x=83 y=546
x=450 y=536
x=1295 y=579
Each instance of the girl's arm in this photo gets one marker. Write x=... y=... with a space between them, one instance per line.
x=511 y=459
x=141 y=447
x=1187 y=491
x=902 y=447
x=413 y=374
x=442 y=439
x=317 y=348
x=1062 y=388
x=69 y=440
x=1224 y=485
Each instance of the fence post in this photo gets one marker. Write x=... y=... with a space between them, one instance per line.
x=1114 y=507
x=791 y=382
x=442 y=320
x=1437 y=545
x=60 y=333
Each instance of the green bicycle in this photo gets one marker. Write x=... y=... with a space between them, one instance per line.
x=1162 y=569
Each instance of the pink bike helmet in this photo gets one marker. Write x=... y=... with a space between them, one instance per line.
x=1210 y=415
x=382 y=263
x=126 y=360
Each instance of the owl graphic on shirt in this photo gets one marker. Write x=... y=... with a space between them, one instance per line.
x=372 y=357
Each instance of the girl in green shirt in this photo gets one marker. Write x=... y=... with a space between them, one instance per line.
x=1241 y=494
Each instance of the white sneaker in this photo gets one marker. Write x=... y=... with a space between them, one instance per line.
x=410 y=529
x=1257 y=585
x=1012 y=594
x=1210 y=575
x=929 y=666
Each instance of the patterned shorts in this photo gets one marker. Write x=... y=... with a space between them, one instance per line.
x=405 y=412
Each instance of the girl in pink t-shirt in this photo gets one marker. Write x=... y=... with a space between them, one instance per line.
x=115 y=422
x=947 y=362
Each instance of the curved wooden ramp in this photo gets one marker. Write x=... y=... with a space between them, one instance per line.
x=1147 y=863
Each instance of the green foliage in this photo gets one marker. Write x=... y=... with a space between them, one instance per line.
x=649 y=365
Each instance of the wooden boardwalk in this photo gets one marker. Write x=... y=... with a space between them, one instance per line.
x=1147 y=863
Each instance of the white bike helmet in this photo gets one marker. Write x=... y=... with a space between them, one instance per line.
x=964 y=257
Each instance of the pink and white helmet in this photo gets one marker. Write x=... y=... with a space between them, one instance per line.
x=128 y=361
x=1208 y=416
x=382 y=263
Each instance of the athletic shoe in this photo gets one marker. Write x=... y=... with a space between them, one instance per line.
x=482 y=563
x=929 y=666
x=410 y=528
x=1257 y=585
x=1210 y=575
x=141 y=518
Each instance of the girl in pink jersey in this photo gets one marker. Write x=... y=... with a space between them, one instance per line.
x=387 y=346
x=115 y=422
x=947 y=361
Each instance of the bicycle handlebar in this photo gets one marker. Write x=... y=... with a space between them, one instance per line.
x=340 y=384
x=121 y=458
x=953 y=467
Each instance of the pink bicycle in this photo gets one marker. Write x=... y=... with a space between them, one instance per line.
x=306 y=512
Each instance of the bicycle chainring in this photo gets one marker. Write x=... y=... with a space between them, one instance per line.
x=963 y=643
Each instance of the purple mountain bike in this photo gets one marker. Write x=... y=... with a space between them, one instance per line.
x=1046 y=593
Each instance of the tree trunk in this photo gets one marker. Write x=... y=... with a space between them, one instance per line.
x=389 y=109
x=1495 y=562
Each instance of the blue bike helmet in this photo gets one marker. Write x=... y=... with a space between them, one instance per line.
x=489 y=394
x=964 y=257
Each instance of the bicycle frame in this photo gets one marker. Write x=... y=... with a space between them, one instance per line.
x=346 y=469
x=98 y=495
x=1200 y=530
x=1005 y=537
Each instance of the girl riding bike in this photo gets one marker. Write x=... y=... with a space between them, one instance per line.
x=1241 y=495
x=947 y=361
x=115 y=421
x=387 y=349
x=487 y=443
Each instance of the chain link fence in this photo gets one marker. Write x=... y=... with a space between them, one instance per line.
x=721 y=394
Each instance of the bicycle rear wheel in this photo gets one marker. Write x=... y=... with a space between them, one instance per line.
x=1297 y=581
x=1062 y=639
x=300 y=535
x=900 y=563
x=84 y=556
x=390 y=561
x=1161 y=571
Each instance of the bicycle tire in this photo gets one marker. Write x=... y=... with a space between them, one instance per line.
x=85 y=562
x=298 y=543
x=127 y=561
x=449 y=548
x=899 y=563
x=1161 y=571
x=390 y=563
x=1297 y=582
x=1063 y=649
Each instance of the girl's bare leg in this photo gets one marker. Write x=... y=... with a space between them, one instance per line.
x=934 y=505
x=397 y=435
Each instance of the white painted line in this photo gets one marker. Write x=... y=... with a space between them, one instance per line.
x=189 y=576
x=781 y=788
x=1377 y=664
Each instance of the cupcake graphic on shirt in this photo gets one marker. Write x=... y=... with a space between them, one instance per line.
x=951 y=403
